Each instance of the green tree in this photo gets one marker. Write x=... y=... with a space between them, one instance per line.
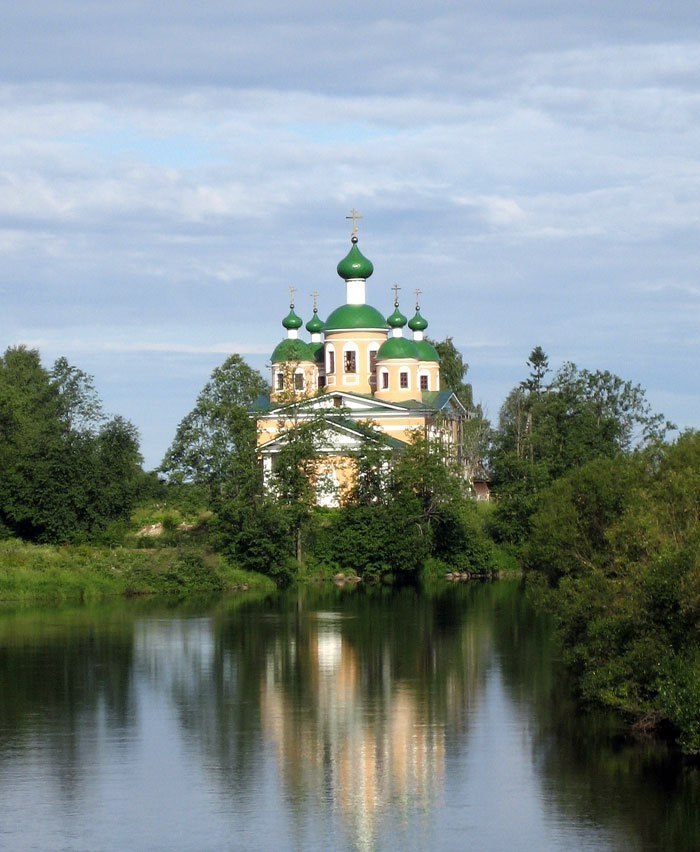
x=65 y=476
x=545 y=432
x=214 y=445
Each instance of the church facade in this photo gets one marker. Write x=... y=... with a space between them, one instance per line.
x=363 y=376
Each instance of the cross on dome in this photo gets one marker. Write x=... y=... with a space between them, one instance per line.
x=292 y=291
x=315 y=296
x=354 y=215
x=396 y=289
x=418 y=293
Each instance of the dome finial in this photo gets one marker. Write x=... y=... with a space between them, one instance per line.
x=418 y=293
x=354 y=215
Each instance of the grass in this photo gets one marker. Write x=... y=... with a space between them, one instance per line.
x=30 y=573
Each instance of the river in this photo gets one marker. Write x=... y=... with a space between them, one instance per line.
x=372 y=719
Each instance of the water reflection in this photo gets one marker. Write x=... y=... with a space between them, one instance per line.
x=351 y=719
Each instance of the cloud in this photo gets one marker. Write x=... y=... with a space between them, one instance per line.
x=167 y=172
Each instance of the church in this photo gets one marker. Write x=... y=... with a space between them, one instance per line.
x=363 y=375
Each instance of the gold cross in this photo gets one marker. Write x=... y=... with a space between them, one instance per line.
x=418 y=293
x=396 y=289
x=292 y=291
x=354 y=215
x=315 y=296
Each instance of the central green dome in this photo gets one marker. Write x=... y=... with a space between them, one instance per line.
x=355 y=317
x=355 y=264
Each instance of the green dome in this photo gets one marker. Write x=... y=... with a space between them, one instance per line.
x=317 y=349
x=315 y=325
x=417 y=323
x=355 y=264
x=397 y=347
x=426 y=351
x=354 y=317
x=397 y=319
x=292 y=350
x=292 y=320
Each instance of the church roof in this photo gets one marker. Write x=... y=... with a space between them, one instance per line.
x=397 y=348
x=426 y=351
x=355 y=264
x=292 y=349
x=355 y=317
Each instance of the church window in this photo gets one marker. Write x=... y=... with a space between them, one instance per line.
x=322 y=381
x=351 y=361
x=424 y=383
x=372 y=360
x=298 y=381
x=385 y=380
x=331 y=361
x=280 y=381
x=403 y=379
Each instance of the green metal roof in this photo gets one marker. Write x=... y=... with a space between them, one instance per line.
x=315 y=324
x=292 y=320
x=417 y=322
x=397 y=319
x=355 y=317
x=426 y=351
x=397 y=348
x=355 y=264
x=292 y=350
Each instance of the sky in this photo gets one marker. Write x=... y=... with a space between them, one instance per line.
x=169 y=170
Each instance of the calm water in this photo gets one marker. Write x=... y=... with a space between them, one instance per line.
x=387 y=721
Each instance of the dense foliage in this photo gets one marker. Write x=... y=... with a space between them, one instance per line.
x=604 y=516
x=67 y=470
x=619 y=542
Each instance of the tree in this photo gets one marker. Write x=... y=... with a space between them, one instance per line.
x=545 y=432
x=538 y=362
x=453 y=371
x=67 y=471
x=214 y=445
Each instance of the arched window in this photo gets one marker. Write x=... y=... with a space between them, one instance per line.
x=350 y=358
x=279 y=380
x=330 y=360
x=424 y=382
x=403 y=379
x=385 y=380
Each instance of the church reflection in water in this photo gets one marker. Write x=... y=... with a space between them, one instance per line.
x=355 y=734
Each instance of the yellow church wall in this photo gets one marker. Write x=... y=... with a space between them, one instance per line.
x=289 y=392
x=393 y=392
x=361 y=343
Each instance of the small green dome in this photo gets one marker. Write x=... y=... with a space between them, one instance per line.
x=418 y=323
x=355 y=317
x=397 y=319
x=426 y=351
x=397 y=348
x=292 y=321
x=315 y=325
x=355 y=264
x=292 y=350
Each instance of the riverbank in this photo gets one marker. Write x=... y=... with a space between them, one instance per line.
x=47 y=573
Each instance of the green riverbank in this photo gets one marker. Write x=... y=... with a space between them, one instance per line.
x=46 y=573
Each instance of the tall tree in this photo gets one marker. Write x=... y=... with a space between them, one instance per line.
x=214 y=445
x=67 y=471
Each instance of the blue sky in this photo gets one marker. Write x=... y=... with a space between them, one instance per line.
x=167 y=172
